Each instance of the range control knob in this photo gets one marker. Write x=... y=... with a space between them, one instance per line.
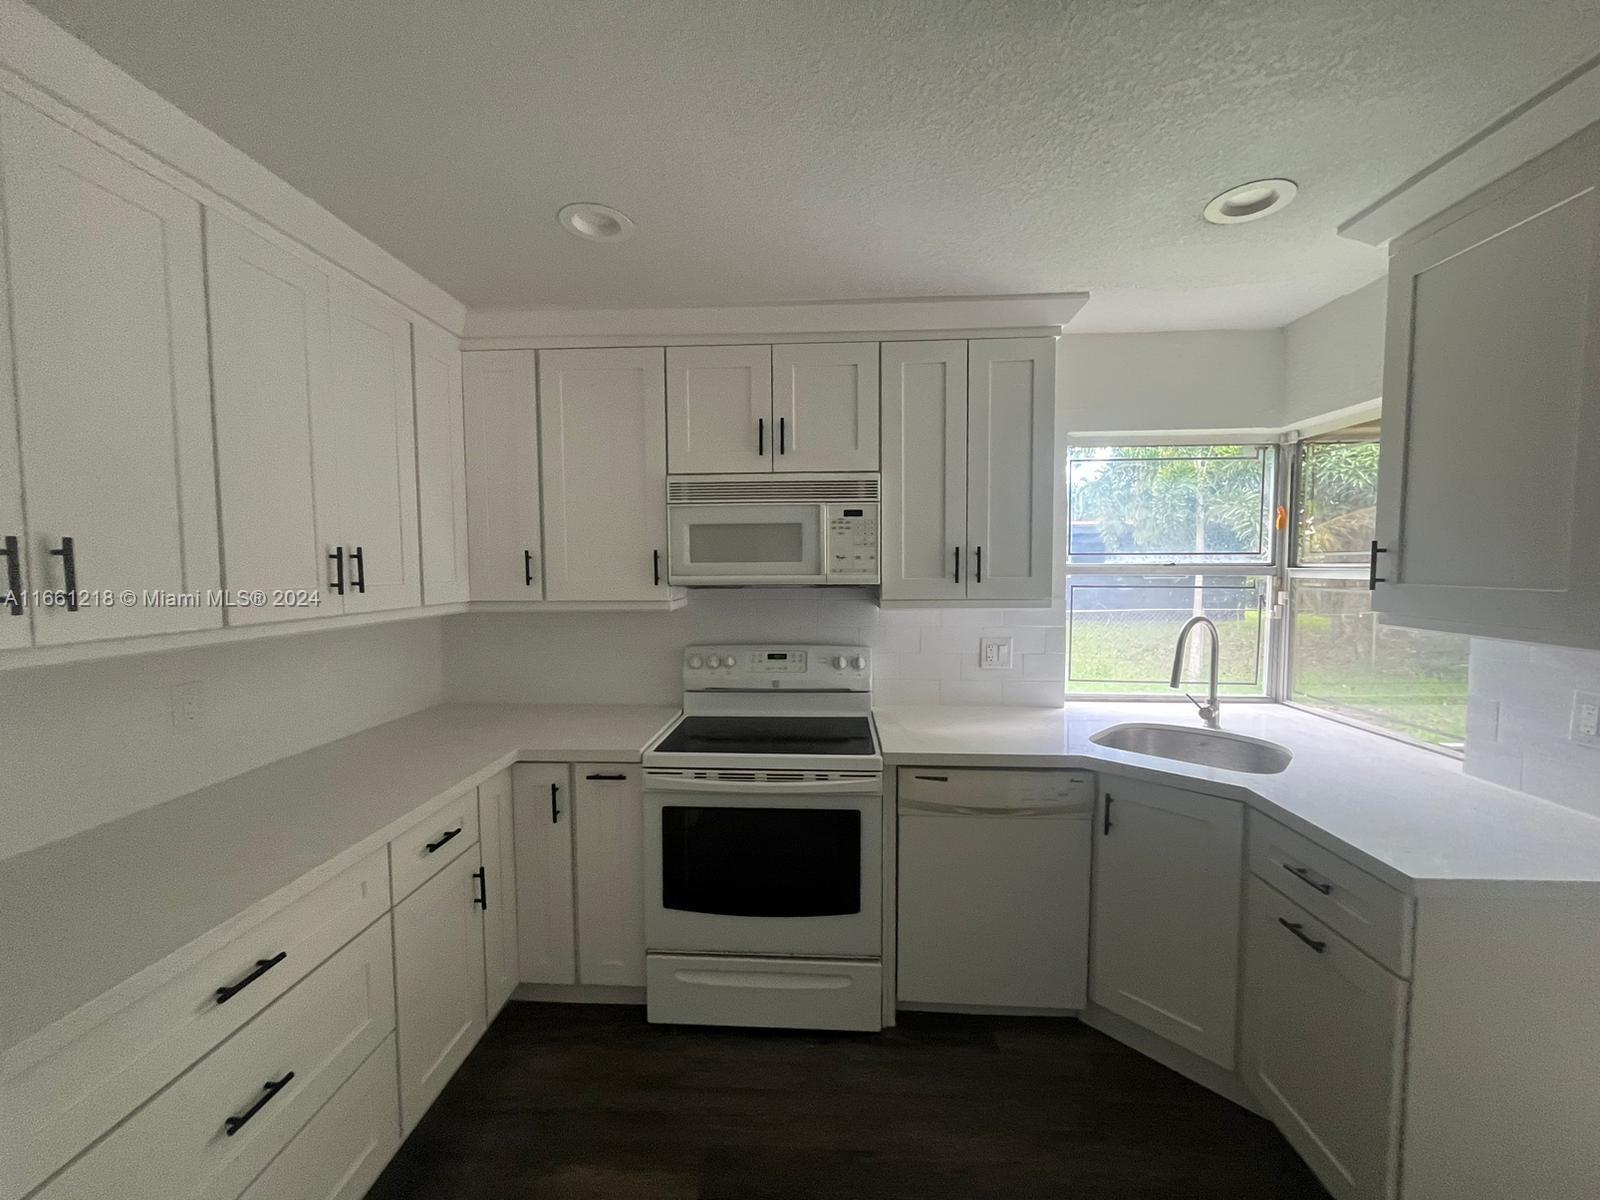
x=695 y=662
x=859 y=663
x=713 y=662
x=839 y=662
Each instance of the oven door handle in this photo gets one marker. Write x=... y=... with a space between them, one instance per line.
x=758 y=787
x=979 y=810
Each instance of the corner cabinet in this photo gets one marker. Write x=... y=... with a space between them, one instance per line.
x=603 y=460
x=969 y=470
x=441 y=464
x=1490 y=485
x=502 y=422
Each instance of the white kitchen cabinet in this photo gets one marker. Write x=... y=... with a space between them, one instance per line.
x=1490 y=473
x=924 y=518
x=113 y=394
x=1011 y=468
x=441 y=464
x=371 y=447
x=609 y=860
x=497 y=840
x=16 y=621
x=969 y=470
x=603 y=460
x=439 y=982
x=719 y=409
x=502 y=422
x=825 y=406
x=1323 y=1045
x=1166 y=913
x=271 y=365
x=542 y=824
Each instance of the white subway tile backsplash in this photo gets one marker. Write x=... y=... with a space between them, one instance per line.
x=1045 y=668
x=1042 y=694
x=907 y=691
x=971 y=692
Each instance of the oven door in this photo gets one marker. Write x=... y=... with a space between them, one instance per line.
x=765 y=868
x=745 y=543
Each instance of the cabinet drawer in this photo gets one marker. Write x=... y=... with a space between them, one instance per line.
x=178 y=1146
x=1373 y=915
x=422 y=851
x=344 y=1148
x=777 y=993
x=62 y=1103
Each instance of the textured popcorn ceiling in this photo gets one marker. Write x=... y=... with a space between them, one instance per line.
x=851 y=148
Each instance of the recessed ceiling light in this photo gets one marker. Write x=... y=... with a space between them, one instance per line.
x=1250 y=201
x=596 y=222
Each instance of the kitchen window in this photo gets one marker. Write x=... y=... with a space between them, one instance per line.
x=1161 y=533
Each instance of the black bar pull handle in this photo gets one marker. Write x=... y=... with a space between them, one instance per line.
x=482 y=898
x=1105 y=826
x=1305 y=877
x=527 y=568
x=933 y=778
x=761 y=437
x=268 y=1090
x=443 y=838
x=958 y=564
x=655 y=565
x=67 y=553
x=1373 y=578
x=263 y=965
x=13 y=553
x=555 y=807
x=782 y=429
x=978 y=556
x=358 y=569
x=610 y=777
x=336 y=557
x=1299 y=931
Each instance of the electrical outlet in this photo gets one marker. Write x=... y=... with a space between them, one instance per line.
x=186 y=707
x=1586 y=718
x=994 y=654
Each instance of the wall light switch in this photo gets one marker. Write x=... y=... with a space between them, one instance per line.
x=1586 y=718
x=994 y=654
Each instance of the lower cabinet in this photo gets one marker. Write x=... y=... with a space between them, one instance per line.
x=1323 y=1039
x=1166 y=913
x=439 y=982
x=344 y=1148
x=497 y=845
x=541 y=798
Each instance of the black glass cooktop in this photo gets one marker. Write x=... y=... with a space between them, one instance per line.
x=770 y=735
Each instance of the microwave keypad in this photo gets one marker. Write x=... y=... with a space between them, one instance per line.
x=853 y=541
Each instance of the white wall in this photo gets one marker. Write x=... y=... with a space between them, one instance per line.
x=1166 y=382
x=922 y=656
x=90 y=742
x=1519 y=711
x=1334 y=355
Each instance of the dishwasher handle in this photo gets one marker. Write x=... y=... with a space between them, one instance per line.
x=1080 y=812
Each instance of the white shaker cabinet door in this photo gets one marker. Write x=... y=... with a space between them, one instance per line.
x=541 y=797
x=113 y=395
x=825 y=403
x=719 y=409
x=441 y=464
x=1011 y=468
x=609 y=860
x=497 y=838
x=270 y=369
x=603 y=453
x=369 y=432
x=439 y=989
x=1166 y=913
x=503 y=478
x=924 y=526
x=16 y=619
x=1489 y=490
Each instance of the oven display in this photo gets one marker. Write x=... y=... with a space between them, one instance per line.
x=761 y=862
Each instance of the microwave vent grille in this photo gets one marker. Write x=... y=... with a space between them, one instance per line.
x=771 y=489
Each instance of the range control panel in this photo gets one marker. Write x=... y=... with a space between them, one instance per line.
x=852 y=541
x=778 y=667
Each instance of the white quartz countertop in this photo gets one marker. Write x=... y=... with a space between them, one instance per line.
x=84 y=914
x=1408 y=815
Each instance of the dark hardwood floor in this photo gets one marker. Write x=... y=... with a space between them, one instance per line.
x=590 y=1103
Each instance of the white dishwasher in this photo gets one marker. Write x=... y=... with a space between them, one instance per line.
x=994 y=888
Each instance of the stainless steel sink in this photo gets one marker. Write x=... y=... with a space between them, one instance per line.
x=1209 y=747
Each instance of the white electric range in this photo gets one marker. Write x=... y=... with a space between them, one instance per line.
x=764 y=843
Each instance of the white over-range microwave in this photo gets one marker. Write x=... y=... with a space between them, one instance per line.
x=772 y=530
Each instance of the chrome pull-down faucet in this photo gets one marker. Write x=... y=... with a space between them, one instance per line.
x=1211 y=710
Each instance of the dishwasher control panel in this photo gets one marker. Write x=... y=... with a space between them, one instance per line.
x=979 y=790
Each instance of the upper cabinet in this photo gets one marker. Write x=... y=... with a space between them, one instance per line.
x=108 y=316
x=441 y=464
x=603 y=457
x=1490 y=482
x=969 y=470
x=744 y=409
x=503 y=474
